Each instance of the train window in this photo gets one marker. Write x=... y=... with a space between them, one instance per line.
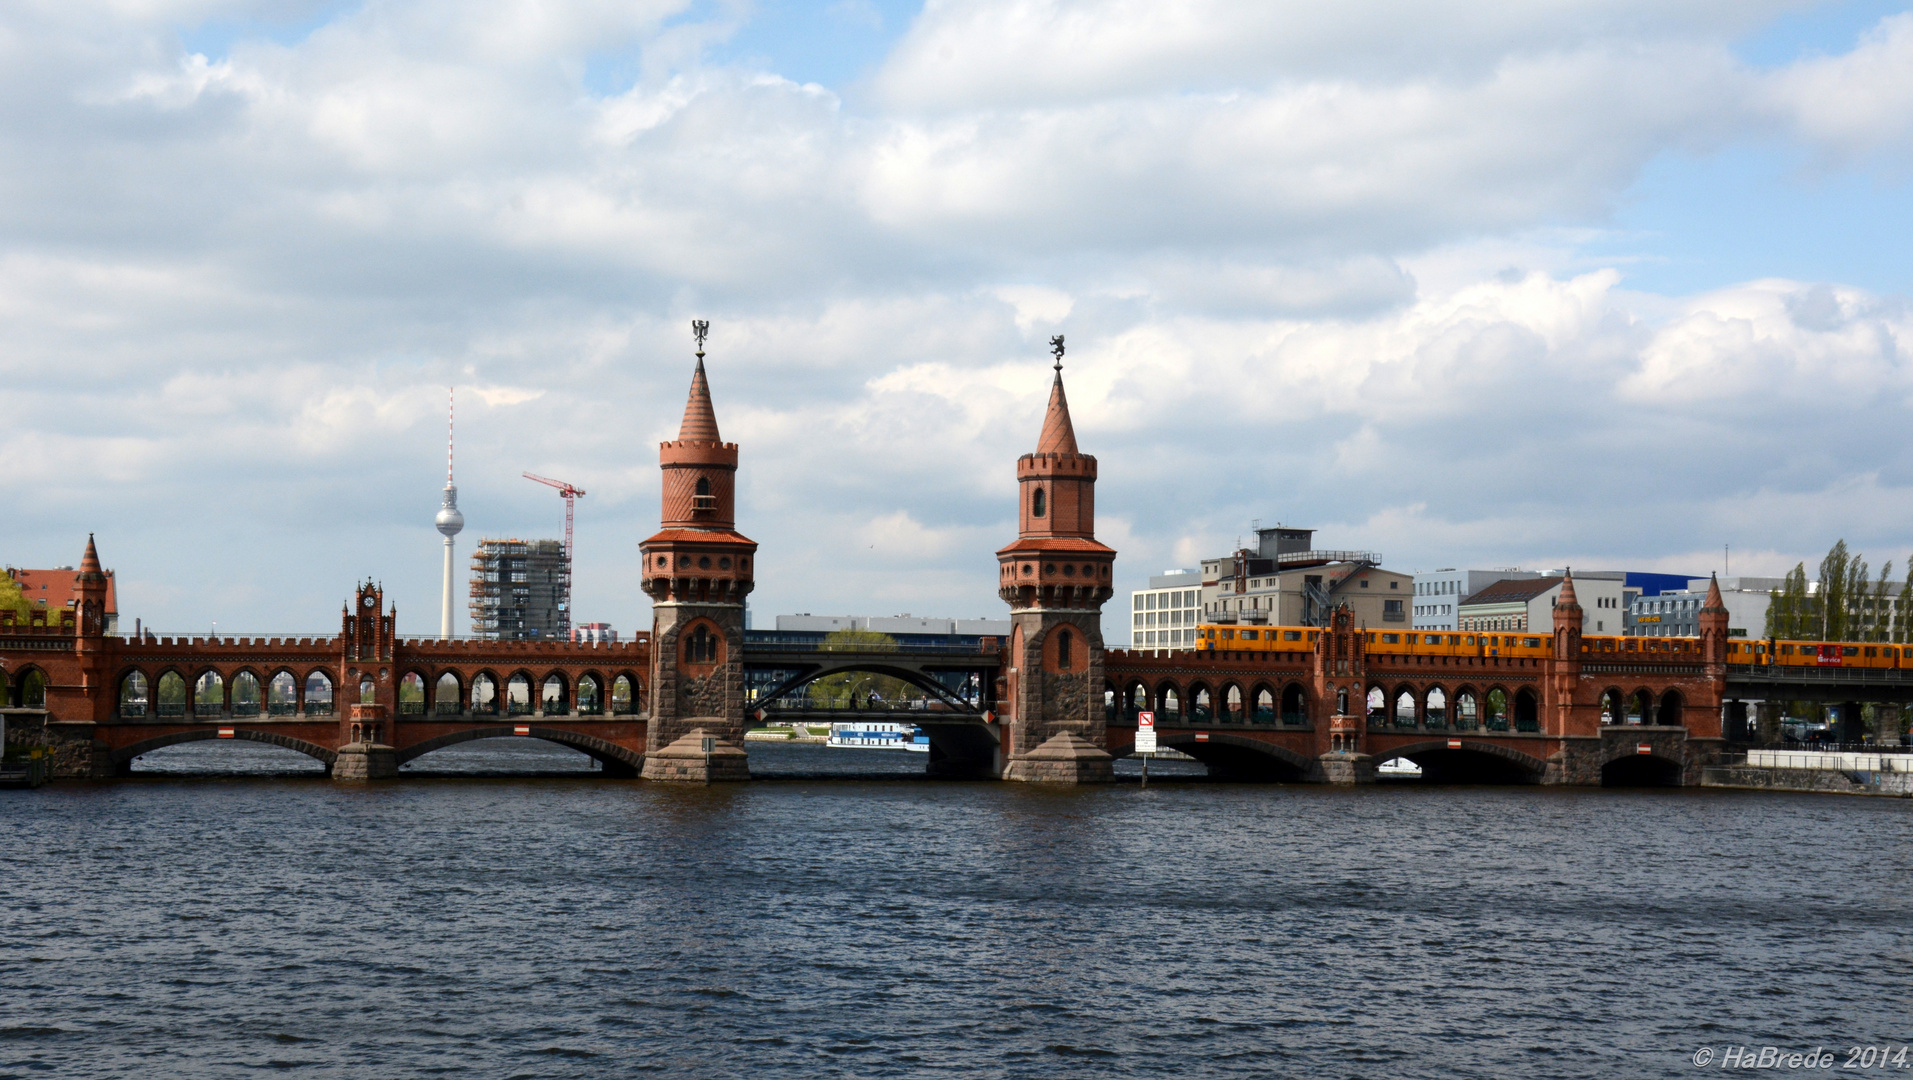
x=1228 y=635
x=1872 y=651
x=1391 y=639
x=1851 y=650
x=1786 y=650
x=1250 y=635
x=1532 y=642
x=1470 y=640
x=1431 y=639
x=1291 y=635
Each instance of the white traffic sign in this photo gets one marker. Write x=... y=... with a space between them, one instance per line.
x=1145 y=733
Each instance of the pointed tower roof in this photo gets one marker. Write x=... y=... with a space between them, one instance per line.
x=1059 y=435
x=1567 y=591
x=90 y=562
x=1713 y=601
x=700 y=419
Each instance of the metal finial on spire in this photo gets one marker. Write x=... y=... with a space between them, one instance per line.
x=699 y=329
x=1056 y=346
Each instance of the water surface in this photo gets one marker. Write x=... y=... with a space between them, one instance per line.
x=576 y=926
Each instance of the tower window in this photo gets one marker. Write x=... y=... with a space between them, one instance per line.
x=703 y=485
x=1062 y=650
x=1036 y=503
x=701 y=646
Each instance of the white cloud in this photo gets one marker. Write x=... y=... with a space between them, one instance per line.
x=1316 y=262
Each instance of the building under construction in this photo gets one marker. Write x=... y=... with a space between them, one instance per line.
x=521 y=589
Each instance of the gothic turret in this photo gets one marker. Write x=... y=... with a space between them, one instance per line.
x=89 y=594
x=1055 y=577
x=697 y=571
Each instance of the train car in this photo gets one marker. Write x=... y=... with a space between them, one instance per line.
x=1823 y=654
x=1259 y=639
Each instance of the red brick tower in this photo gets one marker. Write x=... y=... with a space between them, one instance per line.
x=1055 y=578
x=697 y=571
x=1564 y=671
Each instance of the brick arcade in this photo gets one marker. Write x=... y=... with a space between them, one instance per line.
x=671 y=706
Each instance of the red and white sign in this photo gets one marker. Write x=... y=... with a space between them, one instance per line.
x=1145 y=733
x=1202 y=736
x=225 y=733
x=521 y=729
x=1454 y=744
x=1643 y=748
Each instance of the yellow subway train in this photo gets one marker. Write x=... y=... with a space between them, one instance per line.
x=1740 y=651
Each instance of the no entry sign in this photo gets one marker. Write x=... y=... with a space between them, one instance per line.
x=1145 y=733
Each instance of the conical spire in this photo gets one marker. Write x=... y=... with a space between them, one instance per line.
x=1059 y=435
x=700 y=420
x=1713 y=601
x=1567 y=591
x=90 y=562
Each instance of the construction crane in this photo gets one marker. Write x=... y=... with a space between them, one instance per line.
x=570 y=493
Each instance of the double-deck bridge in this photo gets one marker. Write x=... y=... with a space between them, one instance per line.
x=1045 y=703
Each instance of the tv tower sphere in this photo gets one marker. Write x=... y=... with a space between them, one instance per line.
x=449 y=521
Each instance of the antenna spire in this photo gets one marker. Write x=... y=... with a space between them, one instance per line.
x=451 y=415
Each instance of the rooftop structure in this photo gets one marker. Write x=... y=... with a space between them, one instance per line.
x=519 y=590
x=53 y=591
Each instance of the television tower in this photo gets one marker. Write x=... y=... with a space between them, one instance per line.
x=449 y=520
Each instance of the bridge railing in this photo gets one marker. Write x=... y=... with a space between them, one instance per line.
x=866 y=649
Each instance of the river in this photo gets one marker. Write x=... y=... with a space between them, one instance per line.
x=880 y=925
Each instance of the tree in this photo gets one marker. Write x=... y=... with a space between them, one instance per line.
x=1833 y=593
x=1879 y=612
x=845 y=689
x=12 y=599
x=1790 y=614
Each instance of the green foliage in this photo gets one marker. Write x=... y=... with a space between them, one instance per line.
x=848 y=689
x=1844 y=603
x=12 y=599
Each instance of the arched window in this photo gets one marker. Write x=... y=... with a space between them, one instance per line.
x=172 y=695
x=445 y=696
x=318 y=694
x=133 y=694
x=209 y=695
x=551 y=697
x=412 y=694
x=282 y=695
x=368 y=690
x=624 y=695
x=590 y=702
x=245 y=694
x=485 y=695
x=703 y=485
x=1062 y=650
x=700 y=646
x=1036 y=503
x=518 y=696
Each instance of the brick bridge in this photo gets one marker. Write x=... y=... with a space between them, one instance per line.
x=1054 y=705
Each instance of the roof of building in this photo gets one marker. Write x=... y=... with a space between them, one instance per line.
x=700 y=418
x=53 y=589
x=1512 y=592
x=1059 y=435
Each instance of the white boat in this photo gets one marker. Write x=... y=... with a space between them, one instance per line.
x=879 y=735
x=1400 y=766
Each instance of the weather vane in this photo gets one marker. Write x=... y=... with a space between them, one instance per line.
x=699 y=328
x=1056 y=346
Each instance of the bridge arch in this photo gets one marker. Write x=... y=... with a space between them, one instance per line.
x=123 y=757
x=1202 y=708
x=1669 y=714
x=1231 y=756
x=626 y=696
x=617 y=760
x=922 y=680
x=1527 y=710
x=1404 y=710
x=1474 y=762
x=1295 y=704
x=1434 y=704
x=1640 y=770
x=1169 y=700
x=1612 y=706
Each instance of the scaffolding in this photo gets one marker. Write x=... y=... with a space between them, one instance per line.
x=521 y=590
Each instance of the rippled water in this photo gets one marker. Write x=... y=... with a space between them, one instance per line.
x=566 y=926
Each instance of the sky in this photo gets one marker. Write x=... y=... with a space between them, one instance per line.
x=1614 y=284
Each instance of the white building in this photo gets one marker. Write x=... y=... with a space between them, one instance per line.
x=1165 y=615
x=1439 y=595
x=1676 y=613
x=1526 y=605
